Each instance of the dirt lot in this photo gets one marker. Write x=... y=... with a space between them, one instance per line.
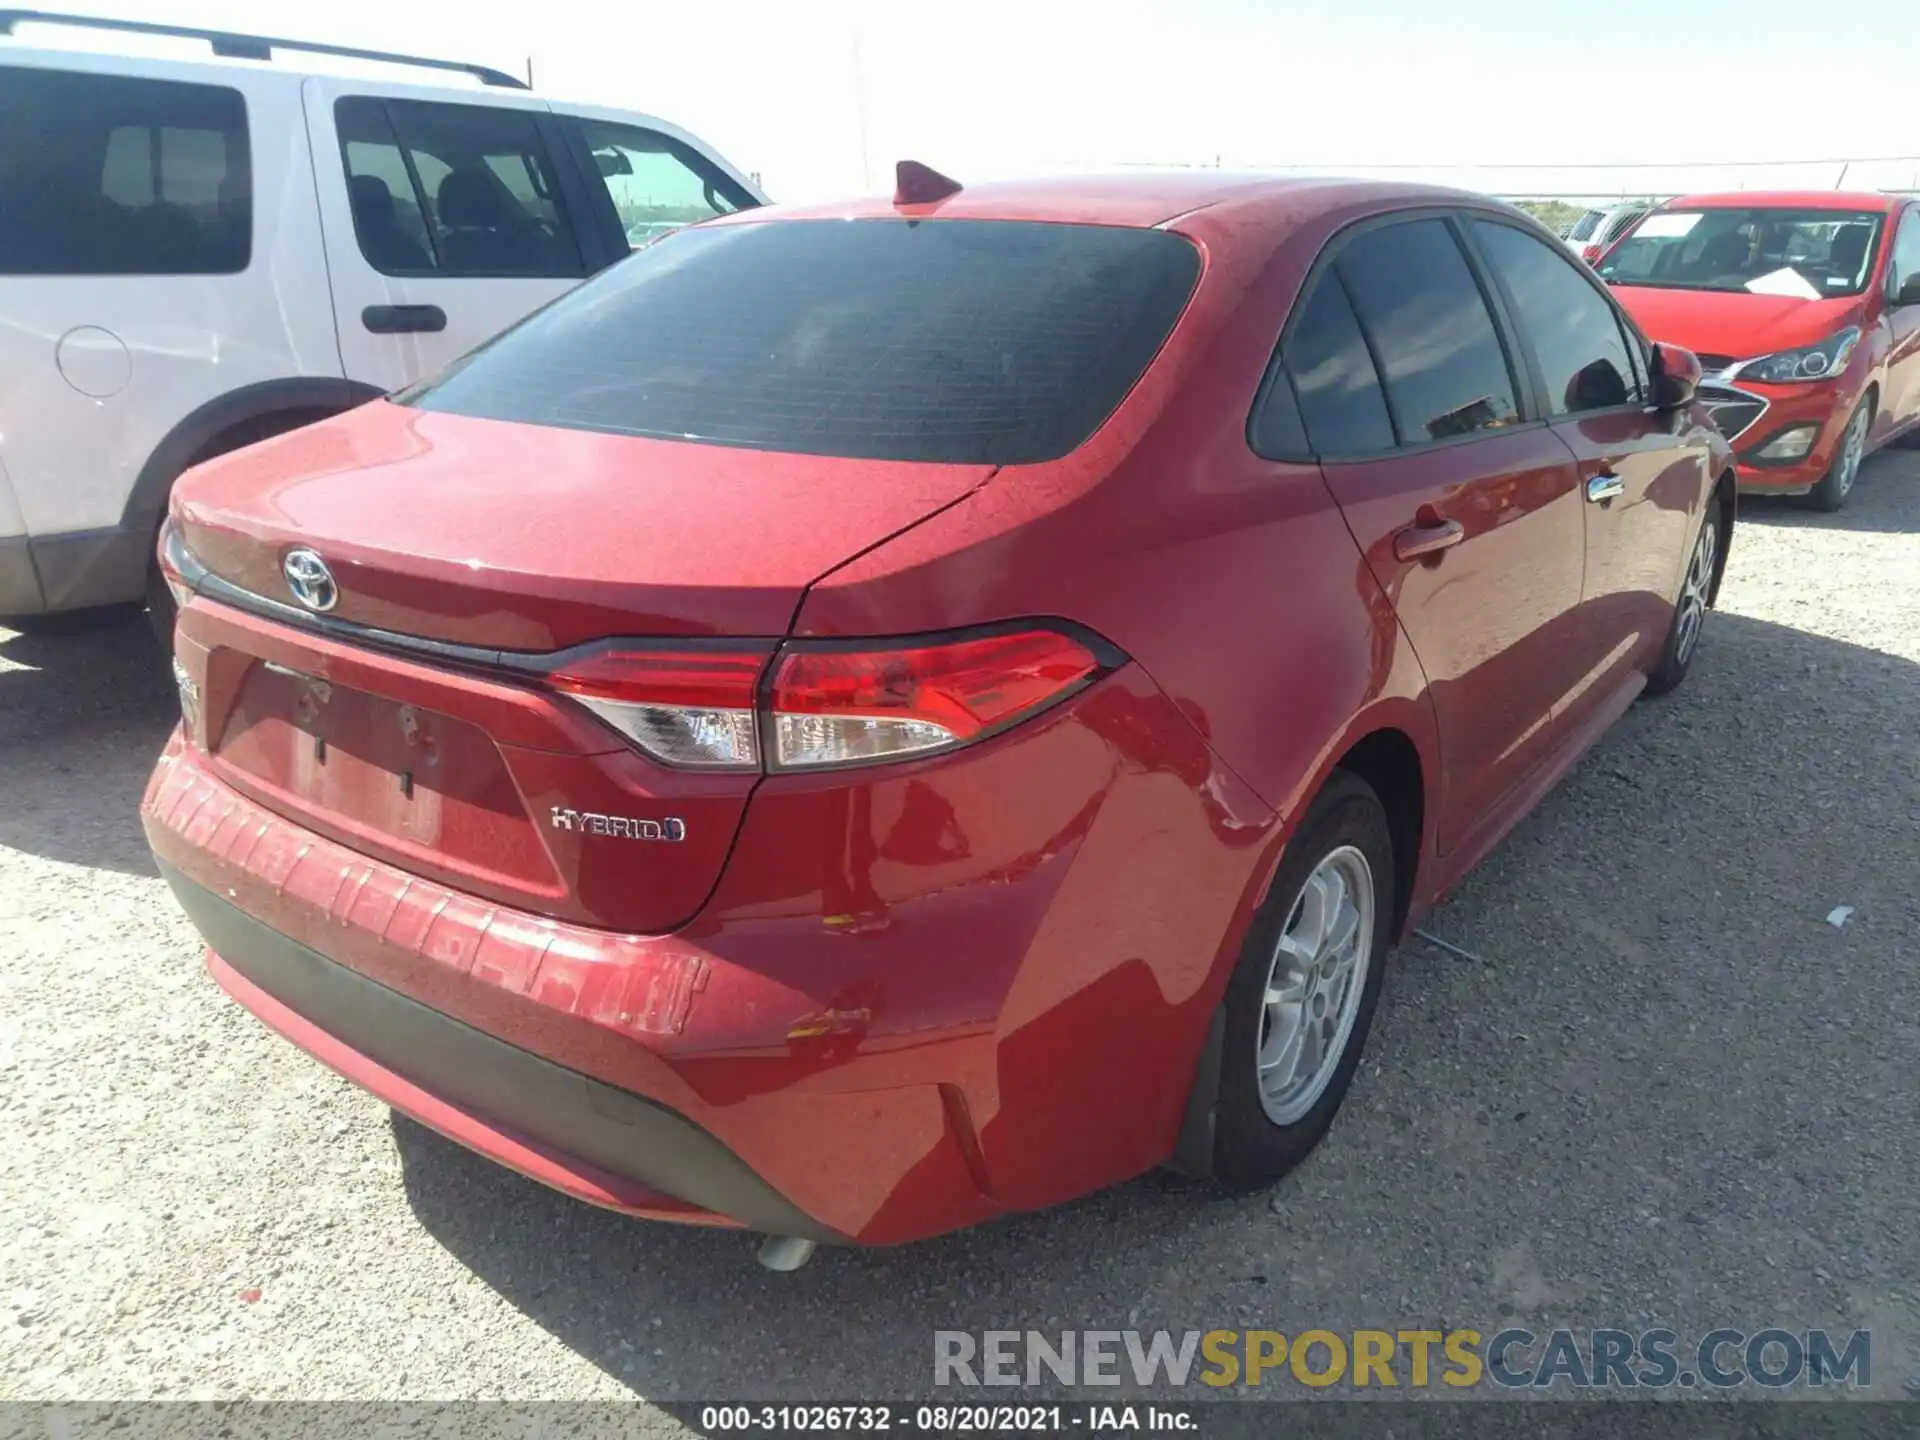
x=1671 y=1092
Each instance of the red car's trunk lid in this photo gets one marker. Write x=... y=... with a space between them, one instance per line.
x=505 y=538
x=521 y=537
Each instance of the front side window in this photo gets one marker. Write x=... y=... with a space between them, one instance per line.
x=950 y=341
x=106 y=175
x=464 y=190
x=1418 y=304
x=1572 y=329
x=657 y=184
x=1807 y=254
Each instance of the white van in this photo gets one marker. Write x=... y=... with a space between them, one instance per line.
x=197 y=253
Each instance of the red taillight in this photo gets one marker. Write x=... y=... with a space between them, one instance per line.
x=695 y=677
x=1591 y=253
x=842 y=705
x=829 y=703
x=689 y=707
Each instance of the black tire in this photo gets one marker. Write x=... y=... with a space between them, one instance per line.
x=1251 y=1150
x=1844 y=473
x=1676 y=654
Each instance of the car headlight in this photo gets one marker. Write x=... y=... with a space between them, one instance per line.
x=1809 y=362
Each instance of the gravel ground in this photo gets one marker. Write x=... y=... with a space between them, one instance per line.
x=1670 y=1093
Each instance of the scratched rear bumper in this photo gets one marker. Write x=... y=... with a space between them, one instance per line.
x=595 y=1062
x=567 y=1130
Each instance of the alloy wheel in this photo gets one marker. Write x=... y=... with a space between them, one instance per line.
x=1314 y=984
x=1696 y=588
x=1853 y=450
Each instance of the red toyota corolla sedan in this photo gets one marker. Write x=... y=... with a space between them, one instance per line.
x=1804 y=308
x=864 y=719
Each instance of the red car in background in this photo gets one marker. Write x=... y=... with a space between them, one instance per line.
x=864 y=719
x=1804 y=309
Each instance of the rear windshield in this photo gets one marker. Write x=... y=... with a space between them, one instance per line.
x=957 y=341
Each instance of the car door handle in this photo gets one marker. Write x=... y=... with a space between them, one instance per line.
x=404 y=319
x=1604 y=487
x=1417 y=541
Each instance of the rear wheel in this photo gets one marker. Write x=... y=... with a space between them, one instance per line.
x=1303 y=994
x=1837 y=484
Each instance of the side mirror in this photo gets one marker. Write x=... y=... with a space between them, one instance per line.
x=1676 y=375
x=1598 y=386
x=612 y=162
x=1909 y=291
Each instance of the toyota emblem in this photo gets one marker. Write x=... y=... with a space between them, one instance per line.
x=310 y=580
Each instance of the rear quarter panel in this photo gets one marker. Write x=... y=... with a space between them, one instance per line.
x=1232 y=580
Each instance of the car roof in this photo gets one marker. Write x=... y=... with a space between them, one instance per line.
x=1142 y=199
x=1786 y=200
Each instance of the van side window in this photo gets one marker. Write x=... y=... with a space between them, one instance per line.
x=464 y=190
x=106 y=175
x=656 y=183
x=1421 y=310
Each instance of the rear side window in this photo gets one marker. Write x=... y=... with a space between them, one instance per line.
x=1341 y=403
x=1417 y=302
x=1570 y=326
x=1583 y=227
x=958 y=341
x=105 y=175
x=464 y=190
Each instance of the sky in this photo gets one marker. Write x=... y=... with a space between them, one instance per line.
x=1517 y=97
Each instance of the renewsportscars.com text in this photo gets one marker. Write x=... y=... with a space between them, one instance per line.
x=1514 y=1359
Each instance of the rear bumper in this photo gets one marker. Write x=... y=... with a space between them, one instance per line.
x=897 y=1015
x=577 y=1134
x=522 y=1037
